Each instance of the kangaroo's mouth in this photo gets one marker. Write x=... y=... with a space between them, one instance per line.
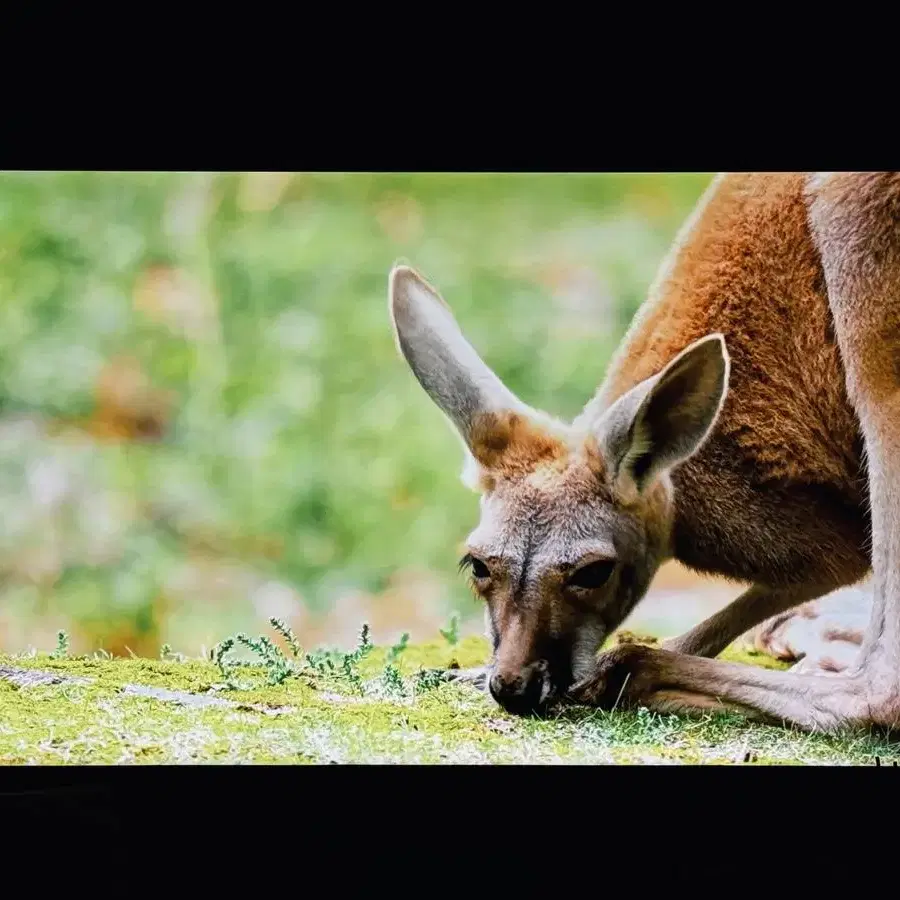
x=543 y=683
x=584 y=649
x=536 y=687
x=560 y=671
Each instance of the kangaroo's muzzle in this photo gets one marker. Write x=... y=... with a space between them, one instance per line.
x=525 y=691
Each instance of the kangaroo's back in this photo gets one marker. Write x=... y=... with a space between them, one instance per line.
x=785 y=457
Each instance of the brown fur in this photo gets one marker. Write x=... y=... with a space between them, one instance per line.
x=786 y=455
x=509 y=446
x=791 y=485
x=835 y=389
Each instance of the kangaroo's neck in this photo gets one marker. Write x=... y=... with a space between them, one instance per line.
x=784 y=457
x=669 y=318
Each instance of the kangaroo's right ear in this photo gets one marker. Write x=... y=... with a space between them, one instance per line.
x=666 y=418
x=443 y=361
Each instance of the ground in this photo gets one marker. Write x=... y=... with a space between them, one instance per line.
x=376 y=705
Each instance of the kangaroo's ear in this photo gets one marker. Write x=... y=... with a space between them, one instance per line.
x=666 y=418
x=443 y=361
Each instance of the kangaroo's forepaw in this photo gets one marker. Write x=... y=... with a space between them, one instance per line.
x=620 y=678
x=822 y=637
x=778 y=637
x=833 y=659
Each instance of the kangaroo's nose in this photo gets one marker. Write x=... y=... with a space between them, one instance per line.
x=521 y=692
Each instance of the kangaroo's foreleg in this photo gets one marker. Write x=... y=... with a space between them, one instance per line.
x=754 y=606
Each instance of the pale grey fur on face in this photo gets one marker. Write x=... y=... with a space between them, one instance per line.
x=535 y=530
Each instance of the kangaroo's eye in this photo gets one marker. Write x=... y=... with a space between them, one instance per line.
x=479 y=569
x=593 y=575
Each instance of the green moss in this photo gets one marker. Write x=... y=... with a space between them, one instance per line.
x=736 y=654
x=468 y=653
x=190 y=675
x=321 y=720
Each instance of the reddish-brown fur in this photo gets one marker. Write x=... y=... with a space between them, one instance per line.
x=778 y=494
x=509 y=446
x=791 y=485
x=802 y=274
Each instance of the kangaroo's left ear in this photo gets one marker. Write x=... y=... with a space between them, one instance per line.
x=666 y=418
x=450 y=370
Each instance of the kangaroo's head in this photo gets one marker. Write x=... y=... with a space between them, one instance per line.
x=575 y=518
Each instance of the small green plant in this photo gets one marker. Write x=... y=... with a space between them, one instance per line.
x=278 y=666
x=427 y=680
x=165 y=651
x=397 y=649
x=322 y=663
x=271 y=658
x=393 y=680
x=451 y=634
x=343 y=666
x=62 y=645
x=350 y=660
x=351 y=674
x=365 y=642
x=228 y=669
x=331 y=665
x=390 y=675
x=288 y=635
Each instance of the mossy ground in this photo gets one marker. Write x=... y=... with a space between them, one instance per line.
x=375 y=715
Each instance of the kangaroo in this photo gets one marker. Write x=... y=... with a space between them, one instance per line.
x=747 y=426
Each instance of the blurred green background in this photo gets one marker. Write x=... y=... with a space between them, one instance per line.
x=203 y=417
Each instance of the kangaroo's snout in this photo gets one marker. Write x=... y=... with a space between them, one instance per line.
x=522 y=691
